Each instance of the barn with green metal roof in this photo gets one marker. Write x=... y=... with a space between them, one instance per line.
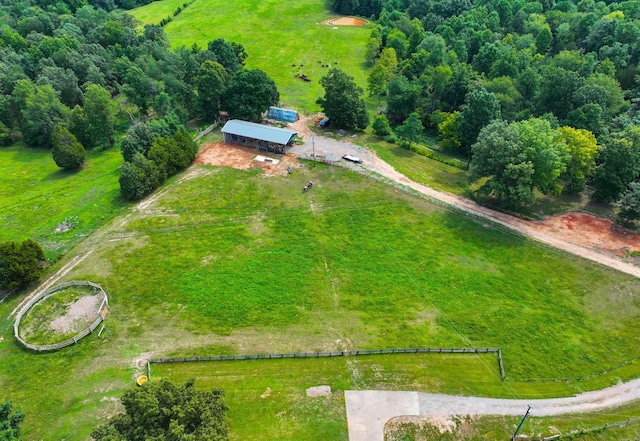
x=272 y=139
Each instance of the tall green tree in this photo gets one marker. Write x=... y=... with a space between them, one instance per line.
x=481 y=107
x=545 y=149
x=162 y=411
x=42 y=113
x=249 y=94
x=499 y=167
x=99 y=112
x=211 y=81
x=411 y=130
x=630 y=204
x=618 y=164
x=583 y=149
x=10 y=421
x=67 y=152
x=342 y=102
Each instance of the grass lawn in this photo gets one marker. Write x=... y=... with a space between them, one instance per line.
x=276 y=35
x=37 y=196
x=229 y=261
x=418 y=168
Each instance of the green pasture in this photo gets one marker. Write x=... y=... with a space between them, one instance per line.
x=227 y=261
x=37 y=196
x=276 y=35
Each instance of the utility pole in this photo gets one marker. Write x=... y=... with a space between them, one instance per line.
x=513 y=438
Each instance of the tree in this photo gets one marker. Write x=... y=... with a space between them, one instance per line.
x=138 y=139
x=162 y=411
x=449 y=131
x=377 y=81
x=583 y=149
x=20 y=264
x=249 y=94
x=412 y=129
x=630 y=204
x=618 y=165
x=99 y=112
x=10 y=422
x=481 y=107
x=42 y=113
x=342 y=102
x=545 y=149
x=381 y=125
x=211 y=81
x=500 y=167
x=139 y=177
x=67 y=152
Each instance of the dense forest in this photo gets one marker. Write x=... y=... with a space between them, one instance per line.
x=74 y=76
x=536 y=95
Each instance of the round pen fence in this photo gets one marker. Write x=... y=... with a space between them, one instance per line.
x=101 y=314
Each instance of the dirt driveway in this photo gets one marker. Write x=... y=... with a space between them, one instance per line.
x=582 y=234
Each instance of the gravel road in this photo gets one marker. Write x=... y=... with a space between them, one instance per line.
x=368 y=411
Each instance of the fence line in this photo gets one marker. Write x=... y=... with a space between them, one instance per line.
x=574 y=433
x=497 y=351
x=75 y=338
x=206 y=131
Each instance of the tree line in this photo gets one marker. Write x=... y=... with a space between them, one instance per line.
x=74 y=76
x=468 y=69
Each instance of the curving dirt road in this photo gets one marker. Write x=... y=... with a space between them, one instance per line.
x=333 y=150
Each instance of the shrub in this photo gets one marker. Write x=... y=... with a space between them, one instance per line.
x=381 y=125
x=392 y=139
x=67 y=152
x=20 y=263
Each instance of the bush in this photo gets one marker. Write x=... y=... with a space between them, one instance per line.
x=20 y=263
x=392 y=139
x=67 y=152
x=381 y=125
x=139 y=177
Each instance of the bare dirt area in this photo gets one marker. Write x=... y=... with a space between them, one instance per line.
x=78 y=316
x=222 y=154
x=591 y=232
x=346 y=21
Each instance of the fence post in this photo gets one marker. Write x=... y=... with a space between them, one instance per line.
x=500 y=365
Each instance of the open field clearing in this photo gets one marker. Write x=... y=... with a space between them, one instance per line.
x=225 y=261
x=57 y=208
x=276 y=35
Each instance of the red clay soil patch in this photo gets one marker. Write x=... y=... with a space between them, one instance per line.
x=346 y=21
x=592 y=232
x=222 y=154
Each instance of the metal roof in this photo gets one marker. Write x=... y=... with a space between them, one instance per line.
x=258 y=131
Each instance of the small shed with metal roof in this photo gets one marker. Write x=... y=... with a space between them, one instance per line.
x=272 y=139
x=280 y=114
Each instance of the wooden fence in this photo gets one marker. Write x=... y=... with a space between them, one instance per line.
x=102 y=311
x=496 y=351
x=575 y=433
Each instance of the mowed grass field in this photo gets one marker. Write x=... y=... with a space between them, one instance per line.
x=37 y=196
x=276 y=35
x=227 y=261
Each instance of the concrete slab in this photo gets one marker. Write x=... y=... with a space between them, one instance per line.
x=369 y=410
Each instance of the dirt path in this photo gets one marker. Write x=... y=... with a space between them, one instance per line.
x=577 y=233
x=369 y=411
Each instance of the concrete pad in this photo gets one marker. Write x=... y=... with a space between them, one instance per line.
x=369 y=410
x=319 y=391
